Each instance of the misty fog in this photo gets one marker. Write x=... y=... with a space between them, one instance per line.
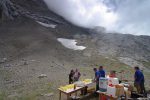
x=123 y=16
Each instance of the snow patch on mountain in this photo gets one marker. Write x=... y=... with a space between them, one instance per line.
x=47 y=25
x=70 y=43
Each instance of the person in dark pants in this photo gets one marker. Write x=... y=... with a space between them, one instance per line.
x=71 y=76
x=96 y=78
x=1 y=12
x=139 y=80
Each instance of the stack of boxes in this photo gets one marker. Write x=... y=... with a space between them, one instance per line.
x=111 y=86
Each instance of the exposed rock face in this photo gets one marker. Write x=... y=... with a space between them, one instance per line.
x=123 y=45
x=8 y=8
x=118 y=45
x=13 y=9
x=130 y=62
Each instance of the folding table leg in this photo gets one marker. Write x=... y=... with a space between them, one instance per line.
x=75 y=93
x=68 y=95
x=59 y=95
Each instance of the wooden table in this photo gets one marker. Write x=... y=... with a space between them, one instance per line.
x=105 y=94
x=71 y=91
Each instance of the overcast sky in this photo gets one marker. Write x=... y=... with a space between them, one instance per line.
x=124 y=16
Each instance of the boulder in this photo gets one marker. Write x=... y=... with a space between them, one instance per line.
x=42 y=76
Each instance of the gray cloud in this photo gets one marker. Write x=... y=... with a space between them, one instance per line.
x=124 y=16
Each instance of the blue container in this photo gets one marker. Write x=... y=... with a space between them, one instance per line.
x=103 y=84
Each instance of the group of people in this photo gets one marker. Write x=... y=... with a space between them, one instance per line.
x=98 y=73
x=138 y=77
x=74 y=76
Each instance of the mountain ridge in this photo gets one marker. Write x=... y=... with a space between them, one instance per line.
x=109 y=44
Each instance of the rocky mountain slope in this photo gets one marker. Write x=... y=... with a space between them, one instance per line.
x=29 y=48
x=113 y=44
x=124 y=46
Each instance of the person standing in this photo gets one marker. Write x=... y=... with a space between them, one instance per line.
x=76 y=75
x=139 y=80
x=96 y=78
x=71 y=77
x=101 y=72
x=112 y=74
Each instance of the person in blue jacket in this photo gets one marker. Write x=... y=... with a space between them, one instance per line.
x=101 y=72
x=96 y=78
x=139 y=80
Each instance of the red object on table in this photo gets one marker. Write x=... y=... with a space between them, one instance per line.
x=103 y=97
